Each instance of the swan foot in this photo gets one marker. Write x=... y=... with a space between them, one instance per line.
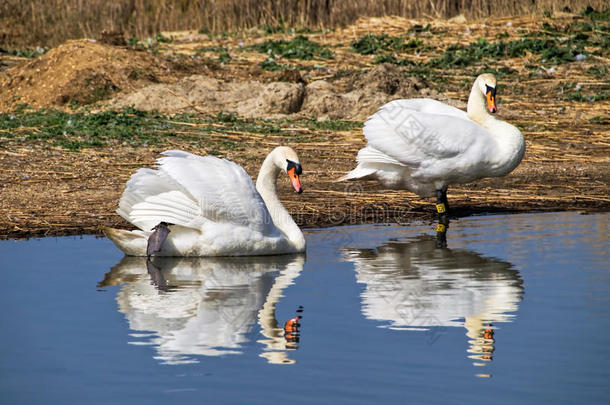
x=156 y=239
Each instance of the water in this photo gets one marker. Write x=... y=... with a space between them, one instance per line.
x=515 y=310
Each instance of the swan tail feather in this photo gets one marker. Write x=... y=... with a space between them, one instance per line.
x=132 y=243
x=369 y=154
x=369 y=160
x=359 y=172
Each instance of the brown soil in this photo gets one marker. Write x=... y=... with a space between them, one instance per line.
x=82 y=72
x=49 y=191
x=322 y=99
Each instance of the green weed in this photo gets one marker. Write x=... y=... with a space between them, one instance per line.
x=271 y=65
x=371 y=44
x=598 y=71
x=223 y=53
x=27 y=52
x=583 y=97
x=416 y=28
x=282 y=29
x=593 y=14
x=549 y=50
x=77 y=130
x=74 y=131
x=297 y=48
x=331 y=125
x=599 y=119
x=151 y=45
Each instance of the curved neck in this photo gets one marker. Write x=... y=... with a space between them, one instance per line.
x=266 y=186
x=477 y=109
x=275 y=350
x=510 y=145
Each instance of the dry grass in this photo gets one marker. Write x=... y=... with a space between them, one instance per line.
x=51 y=22
x=46 y=190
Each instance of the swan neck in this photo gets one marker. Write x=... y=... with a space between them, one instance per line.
x=267 y=176
x=275 y=342
x=477 y=109
x=267 y=188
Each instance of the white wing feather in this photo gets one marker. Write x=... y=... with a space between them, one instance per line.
x=190 y=190
x=416 y=130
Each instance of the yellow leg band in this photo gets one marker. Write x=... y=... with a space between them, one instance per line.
x=440 y=208
x=441 y=228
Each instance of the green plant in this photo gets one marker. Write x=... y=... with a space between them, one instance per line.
x=297 y=48
x=271 y=65
x=593 y=14
x=548 y=49
x=599 y=71
x=26 y=52
x=372 y=44
x=159 y=37
x=582 y=97
x=599 y=119
x=282 y=29
x=416 y=28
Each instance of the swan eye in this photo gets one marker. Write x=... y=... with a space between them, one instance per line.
x=490 y=89
x=293 y=165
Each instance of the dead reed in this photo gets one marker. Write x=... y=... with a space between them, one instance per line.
x=51 y=22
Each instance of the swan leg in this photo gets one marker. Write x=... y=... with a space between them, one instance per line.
x=442 y=205
x=441 y=231
x=156 y=275
x=156 y=239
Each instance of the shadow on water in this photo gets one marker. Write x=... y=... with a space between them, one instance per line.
x=417 y=285
x=187 y=307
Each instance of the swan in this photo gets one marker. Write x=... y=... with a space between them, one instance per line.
x=423 y=145
x=412 y=285
x=192 y=205
x=212 y=306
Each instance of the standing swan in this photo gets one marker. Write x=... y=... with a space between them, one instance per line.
x=205 y=206
x=423 y=145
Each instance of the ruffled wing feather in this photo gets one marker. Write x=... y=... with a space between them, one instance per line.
x=189 y=190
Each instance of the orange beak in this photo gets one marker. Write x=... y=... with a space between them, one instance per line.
x=292 y=325
x=491 y=102
x=294 y=179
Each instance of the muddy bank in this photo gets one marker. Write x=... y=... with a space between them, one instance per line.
x=51 y=192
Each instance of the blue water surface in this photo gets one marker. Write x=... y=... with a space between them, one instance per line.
x=516 y=309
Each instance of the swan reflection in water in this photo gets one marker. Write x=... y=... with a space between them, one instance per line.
x=188 y=307
x=414 y=285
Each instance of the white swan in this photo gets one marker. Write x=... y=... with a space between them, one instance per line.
x=190 y=307
x=210 y=207
x=413 y=285
x=423 y=145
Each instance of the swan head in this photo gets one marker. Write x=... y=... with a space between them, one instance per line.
x=286 y=159
x=487 y=85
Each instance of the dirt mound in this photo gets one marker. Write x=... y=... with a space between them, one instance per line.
x=80 y=71
x=364 y=94
x=320 y=99
x=199 y=93
x=85 y=72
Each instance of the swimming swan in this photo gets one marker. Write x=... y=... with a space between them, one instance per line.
x=423 y=145
x=206 y=206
